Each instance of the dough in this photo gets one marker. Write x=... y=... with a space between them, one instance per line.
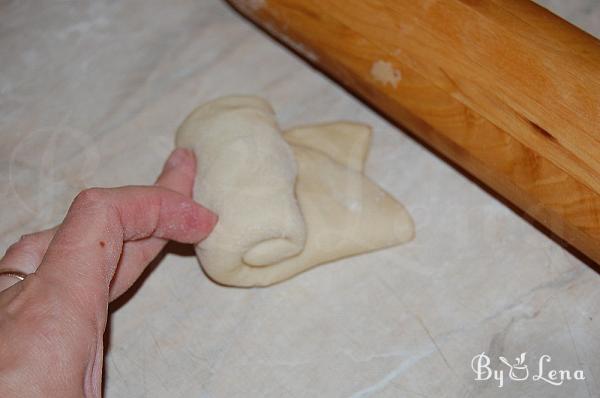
x=246 y=175
x=286 y=203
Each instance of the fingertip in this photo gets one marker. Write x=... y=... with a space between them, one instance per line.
x=181 y=158
x=202 y=222
x=184 y=220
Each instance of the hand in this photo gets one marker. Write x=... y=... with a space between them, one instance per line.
x=52 y=323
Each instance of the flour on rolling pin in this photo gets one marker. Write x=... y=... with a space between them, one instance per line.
x=385 y=73
x=286 y=201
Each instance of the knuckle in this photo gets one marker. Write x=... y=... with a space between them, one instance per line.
x=90 y=197
x=95 y=202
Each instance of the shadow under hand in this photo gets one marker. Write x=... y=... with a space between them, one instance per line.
x=179 y=249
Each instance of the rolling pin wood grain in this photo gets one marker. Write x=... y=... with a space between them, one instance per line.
x=503 y=88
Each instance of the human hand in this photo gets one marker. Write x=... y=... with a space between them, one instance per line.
x=52 y=323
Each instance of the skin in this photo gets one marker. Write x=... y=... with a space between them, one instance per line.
x=52 y=323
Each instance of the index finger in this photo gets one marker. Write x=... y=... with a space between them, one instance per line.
x=81 y=259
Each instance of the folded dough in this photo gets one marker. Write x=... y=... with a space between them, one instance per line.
x=286 y=203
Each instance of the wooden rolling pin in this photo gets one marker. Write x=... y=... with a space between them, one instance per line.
x=503 y=88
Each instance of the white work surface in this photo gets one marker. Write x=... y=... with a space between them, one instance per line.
x=91 y=94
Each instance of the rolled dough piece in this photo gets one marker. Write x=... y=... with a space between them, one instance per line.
x=284 y=207
x=246 y=175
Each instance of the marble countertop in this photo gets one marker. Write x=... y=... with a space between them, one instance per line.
x=91 y=94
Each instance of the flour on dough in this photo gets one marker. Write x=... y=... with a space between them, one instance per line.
x=286 y=202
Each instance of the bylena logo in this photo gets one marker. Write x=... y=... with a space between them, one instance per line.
x=519 y=371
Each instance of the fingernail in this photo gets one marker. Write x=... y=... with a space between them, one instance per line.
x=178 y=157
